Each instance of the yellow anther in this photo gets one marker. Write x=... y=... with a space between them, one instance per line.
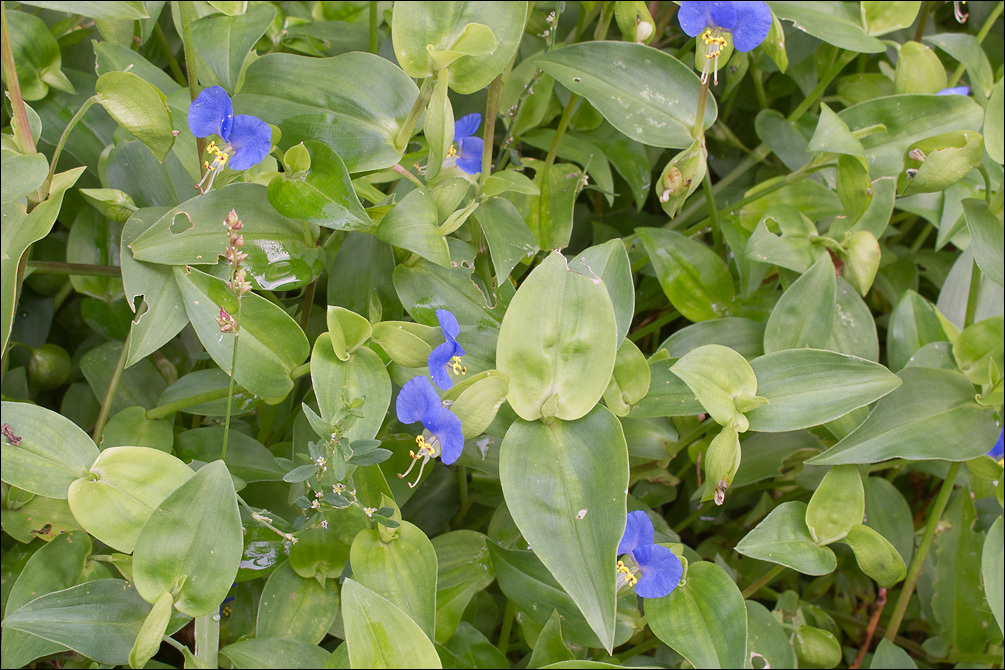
x=456 y=366
x=451 y=152
x=630 y=579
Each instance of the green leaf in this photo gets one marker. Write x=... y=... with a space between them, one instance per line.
x=139 y=107
x=52 y=453
x=111 y=57
x=24 y=174
x=139 y=385
x=508 y=236
x=355 y=103
x=549 y=215
x=55 y=566
x=422 y=31
x=630 y=85
x=988 y=237
x=992 y=564
x=128 y=9
x=580 y=151
x=324 y=195
x=881 y=18
x=425 y=287
x=575 y=523
x=525 y=581
x=932 y=415
x=406 y=343
x=630 y=380
x=609 y=261
x=463 y=569
x=403 y=571
x=37 y=57
x=696 y=281
x=968 y=51
x=550 y=647
x=379 y=635
x=224 y=42
x=557 y=342
x=668 y=395
x=809 y=387
x=120 y=490
x=132 y=427
x=994 y=126
x=977 y=346
x=919 y=70
x=275 y=653
x=338 y=383
x=767 y=638
x=914 y=323
x=98 y=619
x=280 y=257
x=323 y=554
x=469 y=644
x=246 y=458
x=477 y=399
x=904 y=120
x=723 y=382
x=837 y=505
x=835 y=24
x=804 y=315
x=783 y=538
x=148 y=640
x=412 y=225
x=347 y=329
x=296 y=608
x=271 y=342
x=889 y=655
x=704 y=620
x=887 y=512
x=191 y=545
x=18 y=230
x=744 y=336
x=876 y=557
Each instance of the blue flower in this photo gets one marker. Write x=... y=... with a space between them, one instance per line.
x=246 y=139
x=659 y=568
x=448 y=354
x=469 y=157
x=748 y=22
x=997 y=452
x=418 y=401
x=956 y=90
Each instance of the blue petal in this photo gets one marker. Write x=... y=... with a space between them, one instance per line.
x=660 y=571
x=998 y=451
x=639 y=531
x=445 y=427
x=251 y=139
x=956 y=90
x=448 y=324
x=466 y=126
x=470 y=160
x=694 y=17
x=211 y=113
x=417 y=397
x=437 y=362
x=753 y=21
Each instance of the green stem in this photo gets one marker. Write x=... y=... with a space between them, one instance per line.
x=713 y=215
x=408 y=175
x=171 y=641
x=305 y=311
x=185 y=18
x=418 y=107
x=507 y=626
x=373 y=27
x=918 y=561
x=20 y=120
x=207 y=638
x=698 y=129
x=922 y=20
x=113 y=385
x=167 y=409
x=491 y=113
x=987 y=183
x=654 y=325
x=78 y=269
x=230 y=386
x=301 y=370
x=985 y=29
x=762 y=581
x=563 y=123
x=173 y=65
x=640 y=648
x=66 y=133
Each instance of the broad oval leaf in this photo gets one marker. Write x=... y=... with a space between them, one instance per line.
x=704 y=619
x=932 y=415
x=557 y=342
x=139 y=107
x=271 y=342
x=296 y=608
x=120 y=490
x=837 y=505
x=565 y=485
x=992 y=563
x=402 y=570
x=224 y=42
x=809 y=387
x=280 y=653
x=783 y=538
x=279 y=256
x=338 y=383
x=696 y=281
x=355 y=103
x=609 y=261
x=192 y=544
x=804 y=315
x=379 y=635
x=51 y=452
x=647 y=94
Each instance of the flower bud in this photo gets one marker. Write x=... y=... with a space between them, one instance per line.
x=681 y=178
x=861 y=260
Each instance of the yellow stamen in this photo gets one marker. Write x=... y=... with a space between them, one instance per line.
x=426 y=451
x=456 y=366
x=630 y=578
x=452 y=151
